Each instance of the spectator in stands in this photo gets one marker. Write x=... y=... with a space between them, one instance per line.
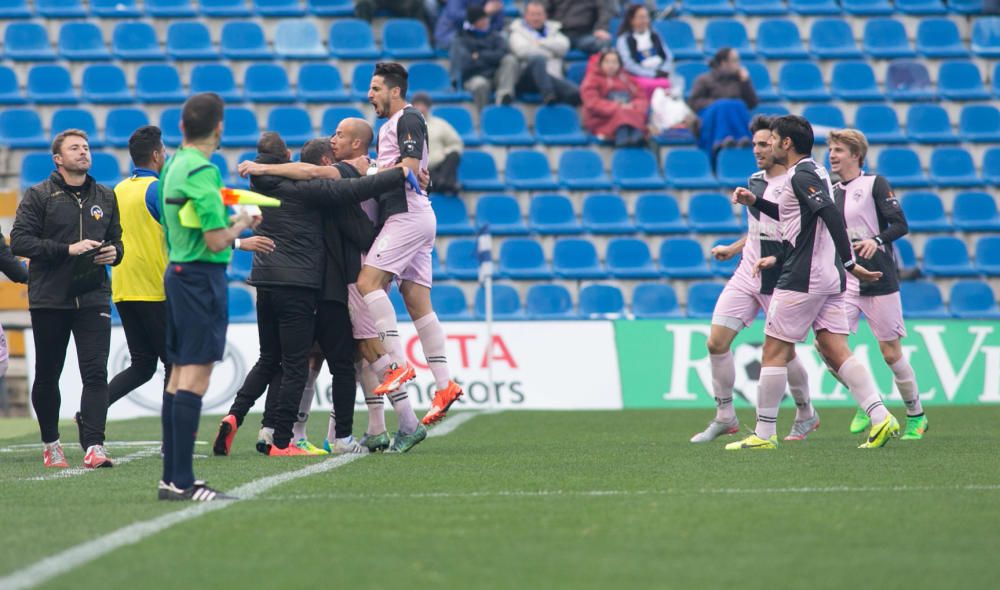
x=453 y=18
x=366 y=9
x=15 y=271
x=645 y=56
x=722 y=98
x=481 y=61
x=540 y=46
x=614 y=108
x=445 y=148
x=585 y=22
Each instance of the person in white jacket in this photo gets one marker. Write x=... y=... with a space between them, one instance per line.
x=540 y=46
x=445 y=145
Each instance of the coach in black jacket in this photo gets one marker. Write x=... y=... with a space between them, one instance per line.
x=64 y=217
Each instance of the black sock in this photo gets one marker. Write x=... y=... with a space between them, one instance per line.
x=167 y=423
x=187 y=413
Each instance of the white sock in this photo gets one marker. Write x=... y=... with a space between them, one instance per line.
x=376 y=403
x=404 y=411
x=862 y=387
x=381 y=365
x=385 y=322
x=906 y=383
x=723 y=379
x=299 y=428
x=432 y=340
x=770 y=390
x=798 y=384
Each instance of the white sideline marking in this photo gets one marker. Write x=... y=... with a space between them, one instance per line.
x=64 y=473
x=65 y=561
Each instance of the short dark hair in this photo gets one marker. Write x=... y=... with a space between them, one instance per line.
x=797 y=129
x=422 y=98
x=314 y=150
x=760 y=123
x=270 y=143
x=143 y=142
x=201 y=114
x=58 y=140
x=394 y=75
x=720 y=56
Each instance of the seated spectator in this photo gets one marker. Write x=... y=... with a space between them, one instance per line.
x=614 y=108
x=585 y=22
x=480 y=60
x=539 y=46
x=644 y=54
x=722 y=98
x=451 y=19
x=445 y=148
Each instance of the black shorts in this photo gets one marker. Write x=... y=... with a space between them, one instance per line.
x=197 y=312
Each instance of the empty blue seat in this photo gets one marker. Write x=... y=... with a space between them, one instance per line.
x=986 y=37
x=559 y=124
x=462 y=262
x=723 y=268
x=396 y=298
x=241 y=305
x=461 y=119
x=961 y=80
x=925 y=212
x=217 y=78
x=352 y=38
x=901 y=167
x=975 y=211
x=974 y=300
x=452 y=216
x=908 y=81
x=12 y=9
x=988 y=255
x=709 y=7
x=549 y=302
x=292 y=123
x=406 y=38
x=965 y=6
x=449 y=303
x=721 y=33
x=635 y=169
x=501 y=213
x=683 y=258
x=906 y=257
x=760 y=7
x=922 y=300
x=824 y=118
x=576 y=258
x=553 y=215
x=10 y=91
x=659 y=214
x=320 y=82
x=581 y=169
x=240 y=128
x=928 y=123
x=190 y=40
x=601 y=302
x=879 y=123
x=679 y=37
x=361 y=80
x=331 y=7
x=855 y=81
x=867 y=7
x=477 y=171
x=272 y=8
x=267 y=83
x=505 y=125
x=438 y=271
x=701 y=299
x=158 y=83
x=27 y=42
x=35 y=167
x=735 y=165
x=169 y=8
x=82 y=41
x=115 y=8
x=655 y=301
x=980 y=123
x=74 y=118
x=991 y=166
x=780 y=39
x=432 y=78
x=506 y=303
x=712 y=213
x=22 y=129
x=689 y=72
x=939 y=38
x=629 y=258
x=121 y=123
x=688 y=169
x=105 y=168
x=50 y=84
x=244 y=40
x=298 y=39
x=136 y=41
x=814 y=7
x=523 y=259
x=60 y=8
x=832 y=38
x=220 y=162
x=802 y=81
x=224 y=8
x=105 y=84
x=885 y=38
x=947 y=256
x=240 y=266
x=170 y=121
x=528 y=170
x=761 y=80
x=606 y=214
x=920 y=7
x=953 y=167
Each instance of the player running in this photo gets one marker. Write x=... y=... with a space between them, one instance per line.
x=746 y=294
x=810 y=289
x=874 y=220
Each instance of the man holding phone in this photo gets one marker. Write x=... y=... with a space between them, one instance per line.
x=65 y=224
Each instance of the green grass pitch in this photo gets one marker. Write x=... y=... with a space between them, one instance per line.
x=538 y=500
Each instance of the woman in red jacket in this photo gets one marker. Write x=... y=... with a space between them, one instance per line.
x=614 y=108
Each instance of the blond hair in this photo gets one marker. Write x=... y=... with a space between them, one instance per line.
x=58 y=140
x=855 y=141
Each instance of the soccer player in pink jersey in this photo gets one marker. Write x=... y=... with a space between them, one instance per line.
x=746 y=294
x=874 y=220
x=810 y=289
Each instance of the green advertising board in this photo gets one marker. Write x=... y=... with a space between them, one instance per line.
x=664 y=364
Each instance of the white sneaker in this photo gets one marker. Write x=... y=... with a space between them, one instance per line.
x=265 y=440
x=348 y=446
x=715 y=430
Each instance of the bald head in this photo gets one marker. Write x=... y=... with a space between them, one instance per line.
x=352 y=138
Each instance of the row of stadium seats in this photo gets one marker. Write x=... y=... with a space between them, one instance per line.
x=823 y=7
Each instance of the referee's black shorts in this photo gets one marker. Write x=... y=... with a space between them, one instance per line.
x=197 y=312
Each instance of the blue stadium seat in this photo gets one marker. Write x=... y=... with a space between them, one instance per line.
x=502 y=213
x=991 y=166
x=190 y=40
x=683 y=258
x=606 y=214
x=824 y=118
x=170 y=121
x=406 y=38
x=988 y=255
x=974 y=300
x=220 y=162
x=576 y=258
x=635 y=169
x=266 y=82
x=158 y=83
x=921 y=7
x=979 y=123
x=723 y=268
x=505 y=125
x=709 y=7
x=655 y=301
x=528 y=170
x=320 y=82
x=760 y=7
x=701 y=299
x=334 y=115
x=240 y=128
x=922 y=300
x=928 y=123
x=906 y=257
x=885 y=38
x=925 y=212
x=712 y=213
x=438 y=271
x=170 y=8
x=577 y=69
x=105 y=84
x=105 y=168
x=854 y=81
x=986 y=37
x=240 y=266
x=601 y=302
x=559 y=124
x=449 y=303
x=947 y=256
x=553 y=215
x=60 y=8
x=121 y=123
x=735 y=165
x=292 y=123
x=879 y=123
x=452 y=216
x=761 y=80
x=659 y=214
x=814 y=7
x=396 y=298
x=953 y=167
x=331 y=7
x=13 y=9
x=115 y=8
x=477 y=171
x=277 y=8
x=902 y=168
x=224 y=8
x=217 y=78
x=965 y=6
x=82 y=41
x=780 y=39
x=50 y=84
x=939 y=38
x=802 y=82
x=832 y=38
x=35 y=167
x=549 y=302
x=581 y=169
x=721 y=33
x=506 y=303
x=867 y=7
x=352 y=38
x=689 y=72
x=523 y=259
x=244 y=40
x=10 y=90
x=679 y=37
x=74 y=118
x=136 y=41
x=432 y=78
x=462 y=262
x=961 y=80
x=22 y=129
x=27 y=42
x=909 y=81
x=298 y=39
x=629 y=258
x=975 y=211
x=772 y=110
x=460 y=118
x=241 y=306
x=688 y=169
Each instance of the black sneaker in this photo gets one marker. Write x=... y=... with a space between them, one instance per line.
x=199 y=492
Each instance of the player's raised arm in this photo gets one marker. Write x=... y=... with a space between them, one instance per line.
x=291 y=170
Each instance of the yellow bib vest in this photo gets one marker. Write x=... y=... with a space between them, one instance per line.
x=139 y=277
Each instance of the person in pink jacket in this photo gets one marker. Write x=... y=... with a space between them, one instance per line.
x=614 y=108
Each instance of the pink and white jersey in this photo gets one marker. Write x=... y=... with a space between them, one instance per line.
x=872 y=212
x=763 y=235
x=404 y=135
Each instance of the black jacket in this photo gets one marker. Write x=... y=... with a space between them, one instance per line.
x=52 y=216
x=490 y=49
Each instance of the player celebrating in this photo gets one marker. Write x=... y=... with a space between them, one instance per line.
x=746 y=294
x=874 y=220
x=810 y=289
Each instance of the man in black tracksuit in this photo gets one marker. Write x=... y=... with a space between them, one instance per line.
x=67 y=216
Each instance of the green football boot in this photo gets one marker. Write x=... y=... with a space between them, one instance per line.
x=376 y=443
x=402 y=443
x=860 y=422
x=916 y=426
